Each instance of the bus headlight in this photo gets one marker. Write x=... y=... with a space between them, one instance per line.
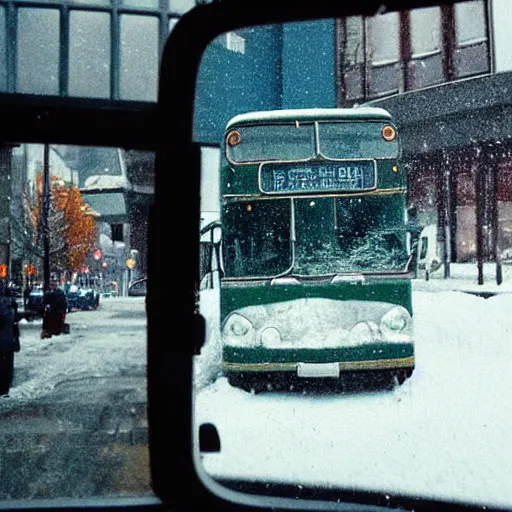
x=364 y=332
x=271 y=338
x=238 y=331
x=396 y=325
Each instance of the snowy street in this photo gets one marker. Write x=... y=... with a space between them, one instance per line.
x=75 y=422
x=78 y=401
x=105 y=343
x=445 y=433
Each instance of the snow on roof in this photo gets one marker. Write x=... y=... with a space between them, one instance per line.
x=310 y=114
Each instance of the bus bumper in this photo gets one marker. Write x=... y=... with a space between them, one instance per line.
x=375 y=373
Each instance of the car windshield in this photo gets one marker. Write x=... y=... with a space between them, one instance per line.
x=358 y=333
x=74 y=220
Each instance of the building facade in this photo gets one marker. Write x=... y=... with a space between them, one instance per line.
x=450 y=100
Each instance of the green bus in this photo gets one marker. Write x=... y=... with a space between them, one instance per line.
x=316 y=271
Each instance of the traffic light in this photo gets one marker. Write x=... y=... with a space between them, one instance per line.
x=3 y=271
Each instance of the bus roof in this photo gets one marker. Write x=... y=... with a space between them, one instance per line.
x=310 y=114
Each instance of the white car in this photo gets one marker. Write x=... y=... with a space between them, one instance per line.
x=429 y=253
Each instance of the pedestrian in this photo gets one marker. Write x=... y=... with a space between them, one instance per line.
x=9 y=339
x=26 y=295
x=55 y=308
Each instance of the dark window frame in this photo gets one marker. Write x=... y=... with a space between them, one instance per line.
x=88 y=122
x=115 y=10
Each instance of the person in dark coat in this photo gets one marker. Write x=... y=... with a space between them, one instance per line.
x=26 y=295
x=55 y=309
x=9 y=338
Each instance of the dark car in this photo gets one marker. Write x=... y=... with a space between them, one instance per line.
x=80 y=299
x=138 y=288
x=35 y=306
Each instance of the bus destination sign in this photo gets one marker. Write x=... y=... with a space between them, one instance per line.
x=343 y=176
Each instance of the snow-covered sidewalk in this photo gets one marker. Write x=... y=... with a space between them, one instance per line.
x=464 y=277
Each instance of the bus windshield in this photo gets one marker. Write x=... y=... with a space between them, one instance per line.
x=257 y=238
x=291 y=141
x=355 y=140
x=296 y=141
x=311 y=237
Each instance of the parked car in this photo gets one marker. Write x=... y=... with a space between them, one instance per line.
x=138 y=288
x=35 y=305
x=429 y=252
x=80 y=299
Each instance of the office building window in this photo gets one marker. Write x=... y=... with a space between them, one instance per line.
x=139 y=58
x=399 y=52
x=384 y=54
x=471 y=41
x=38 y=52
x=89 y=54
x=426 y=65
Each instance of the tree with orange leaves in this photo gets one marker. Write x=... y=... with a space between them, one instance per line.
x=79 y=228
x=71 y=225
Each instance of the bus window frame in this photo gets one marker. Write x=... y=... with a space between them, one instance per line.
x=179 y=70
x=177 y=479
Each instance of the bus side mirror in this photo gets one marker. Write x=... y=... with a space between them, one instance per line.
x=209 y=256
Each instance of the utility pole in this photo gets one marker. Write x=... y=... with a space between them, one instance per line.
x=446 y=211
x=46 y=218
x=480 y=190
x=495 y=220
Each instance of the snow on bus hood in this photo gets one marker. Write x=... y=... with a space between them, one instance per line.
x=317 y=322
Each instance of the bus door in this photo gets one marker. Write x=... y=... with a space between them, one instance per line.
x=209 y=257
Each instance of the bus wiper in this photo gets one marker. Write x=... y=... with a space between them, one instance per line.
x=291 y=278
x=348 y=278
x=287 y=277
x=285 y=280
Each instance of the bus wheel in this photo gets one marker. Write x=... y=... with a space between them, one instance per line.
x=247 y=384
x=401 y=376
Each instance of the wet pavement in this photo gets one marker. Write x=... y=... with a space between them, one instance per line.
x=75 y=423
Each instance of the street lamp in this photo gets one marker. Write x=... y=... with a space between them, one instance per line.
x=45 y=217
